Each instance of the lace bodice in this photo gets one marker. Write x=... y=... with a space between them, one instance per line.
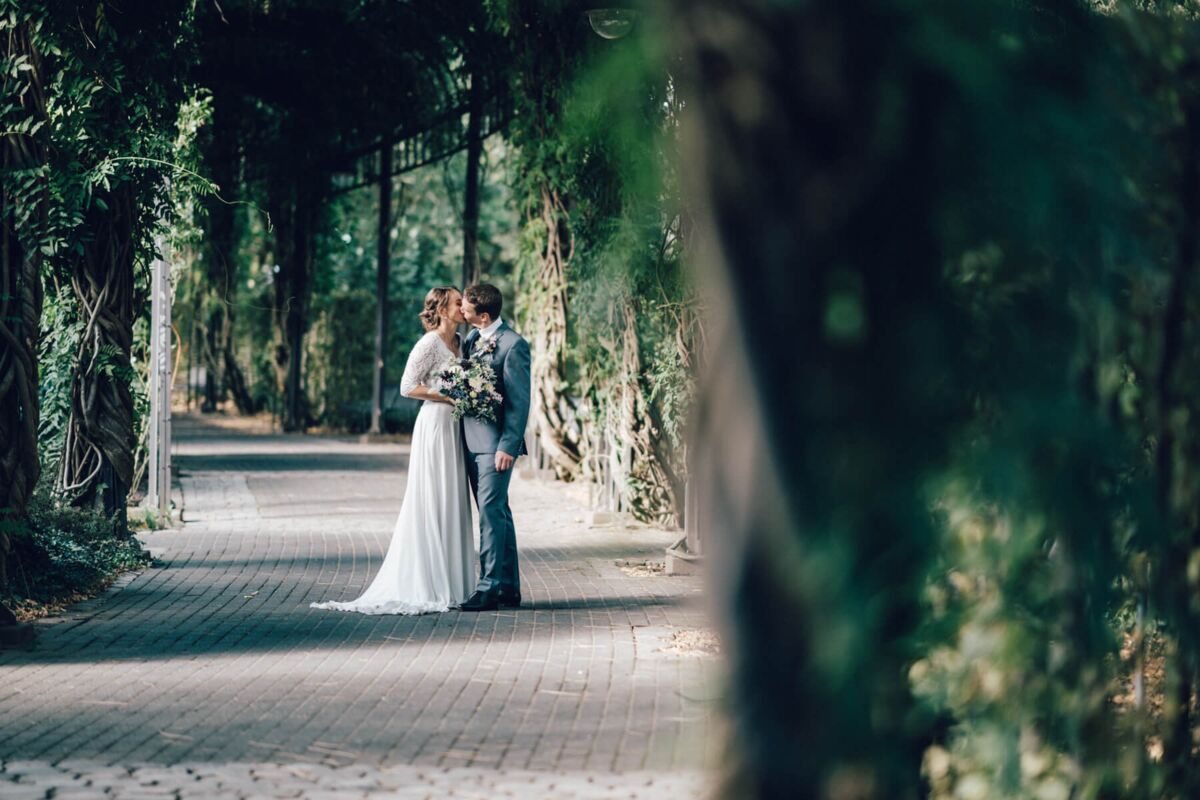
x=428 y=355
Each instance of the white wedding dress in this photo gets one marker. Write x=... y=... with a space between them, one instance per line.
x=430 y=563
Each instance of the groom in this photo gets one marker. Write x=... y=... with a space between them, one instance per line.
x=492 y=447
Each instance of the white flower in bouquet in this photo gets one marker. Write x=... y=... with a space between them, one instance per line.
x=471 y=386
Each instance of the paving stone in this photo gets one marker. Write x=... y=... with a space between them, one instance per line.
x=76 y=792
x=12 y=791
x=213 y=661
x=45 y=773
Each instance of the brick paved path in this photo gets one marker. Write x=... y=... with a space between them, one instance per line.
x=211 y=675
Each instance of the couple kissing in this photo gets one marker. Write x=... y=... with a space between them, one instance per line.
x=467 y=436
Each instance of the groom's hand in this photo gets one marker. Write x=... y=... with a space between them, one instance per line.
x=503 y=461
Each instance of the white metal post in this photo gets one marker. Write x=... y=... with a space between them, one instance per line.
x=155 y=314
x=167 y=374
x=159 y=494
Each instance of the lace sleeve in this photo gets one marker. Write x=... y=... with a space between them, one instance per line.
x=421 y=362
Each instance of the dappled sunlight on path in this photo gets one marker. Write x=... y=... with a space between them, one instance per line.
x=214 y=655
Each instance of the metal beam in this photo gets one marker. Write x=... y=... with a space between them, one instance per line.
x=444 y=137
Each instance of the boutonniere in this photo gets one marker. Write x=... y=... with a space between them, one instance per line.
x=483 y=347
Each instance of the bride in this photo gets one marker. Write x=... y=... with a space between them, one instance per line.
x=429 y=566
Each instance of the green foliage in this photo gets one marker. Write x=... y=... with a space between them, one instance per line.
x=672 y=388
x=112 y=87
x=184 y=231
x=595 y=133
x=1048 y=503
x=62 y=553
x=56 y=363
x=1046 y=489
x=340 y=353
x=425 y=251
x=107 y=96
x=962 y=247
x=149 y=519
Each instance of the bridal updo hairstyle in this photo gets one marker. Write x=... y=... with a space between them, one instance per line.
x=435 y=303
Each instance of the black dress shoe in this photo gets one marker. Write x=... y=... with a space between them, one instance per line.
x=510 y=600
x=479 y=602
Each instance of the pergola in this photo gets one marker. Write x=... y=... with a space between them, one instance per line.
x=392 y=86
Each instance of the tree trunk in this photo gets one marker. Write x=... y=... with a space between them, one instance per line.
x=552 y=407
x=98 y=457
x=214 y=352
x=20 y=305
x=223 y=376
x=1178 y=503
x=20 y=315
x=815 y=441
x=235 y=380
x=293 y=212
x=382 y=283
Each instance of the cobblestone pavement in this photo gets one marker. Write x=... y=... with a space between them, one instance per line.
x=209 y=675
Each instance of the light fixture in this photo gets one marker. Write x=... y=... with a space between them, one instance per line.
x=612 y=23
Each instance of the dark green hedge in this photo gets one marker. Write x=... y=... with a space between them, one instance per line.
x=62 y=554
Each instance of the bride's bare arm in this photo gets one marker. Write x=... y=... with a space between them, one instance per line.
x=423 y=392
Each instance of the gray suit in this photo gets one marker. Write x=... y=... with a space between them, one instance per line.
x=498 y=571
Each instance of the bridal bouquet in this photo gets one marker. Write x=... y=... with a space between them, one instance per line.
x=471 y=384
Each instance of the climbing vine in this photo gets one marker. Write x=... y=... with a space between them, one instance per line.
x=600 y=278
x=98 y=180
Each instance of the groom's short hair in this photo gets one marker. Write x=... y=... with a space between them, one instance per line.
x=486 y=299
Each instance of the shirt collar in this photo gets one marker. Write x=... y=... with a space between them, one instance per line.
x=490 y=330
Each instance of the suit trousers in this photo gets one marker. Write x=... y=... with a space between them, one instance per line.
x=498 y=571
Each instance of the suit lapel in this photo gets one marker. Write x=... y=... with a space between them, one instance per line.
x=496 y=353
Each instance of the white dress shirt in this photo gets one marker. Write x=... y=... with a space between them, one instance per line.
x=490 y=330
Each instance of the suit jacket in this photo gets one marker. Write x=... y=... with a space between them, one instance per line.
x=510 y=360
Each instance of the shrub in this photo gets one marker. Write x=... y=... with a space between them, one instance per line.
x=63 y=555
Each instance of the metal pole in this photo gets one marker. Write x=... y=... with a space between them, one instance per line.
x=159 y=494
x=191 y=349
x=154 y=489
x=470 y=218
x=691 y=518
x=165 y=383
